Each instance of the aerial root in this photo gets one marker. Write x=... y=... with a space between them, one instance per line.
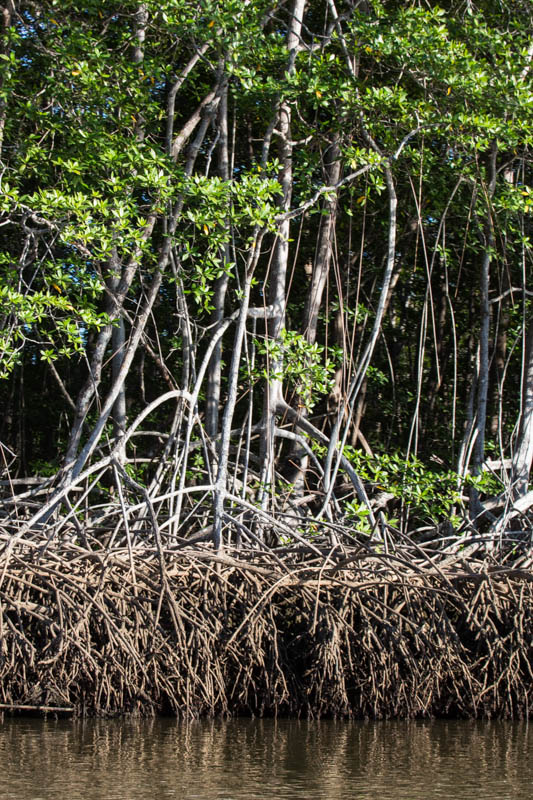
x=200 y=634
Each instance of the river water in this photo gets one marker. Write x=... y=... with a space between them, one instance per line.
x=258 y=759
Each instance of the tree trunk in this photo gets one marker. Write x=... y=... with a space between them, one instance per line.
x=483 y=373
x=498 y=368
x=523 y=452
x=278 y=278
x=319 y=275
x=221 y=286
x=325 y=245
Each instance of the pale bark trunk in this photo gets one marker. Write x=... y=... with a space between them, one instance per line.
x=229 y=409
x=118 y=343
x=221 y=286
x=347 y=412
x=500 y=354
x=483 y=375
x=117 y=300
x=325 y=246
x=278 y=279
x=118 y=336
x=319 y=275
x=114 y=304
x=523 y=452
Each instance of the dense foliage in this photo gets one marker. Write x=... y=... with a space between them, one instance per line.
x=268 y=255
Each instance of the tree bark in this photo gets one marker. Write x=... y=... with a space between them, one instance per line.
x=221 y=286
x=483 y=374
x=278 y=278
x=325 y=245
x=523 y=451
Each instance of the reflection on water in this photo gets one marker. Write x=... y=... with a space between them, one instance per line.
x=238 y=759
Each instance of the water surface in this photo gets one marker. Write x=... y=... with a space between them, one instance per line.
x=249 y=759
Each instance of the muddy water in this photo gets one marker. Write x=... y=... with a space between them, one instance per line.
x=45 y=759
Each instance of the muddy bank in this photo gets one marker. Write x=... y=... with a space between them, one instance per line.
x=343 y=634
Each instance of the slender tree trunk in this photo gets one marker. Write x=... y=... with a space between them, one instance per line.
x=347 y=412
x=503 y=320
x=325 y=245
x=278 y=277
x=319 y=275
x=118 y=337
x=118 y=287
x=523 y=451
x=221 y=286
x=436 y=375
x=484 y=336
x=118 y=343
x=115 y=301
x=229 y=409
x=498 y=368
